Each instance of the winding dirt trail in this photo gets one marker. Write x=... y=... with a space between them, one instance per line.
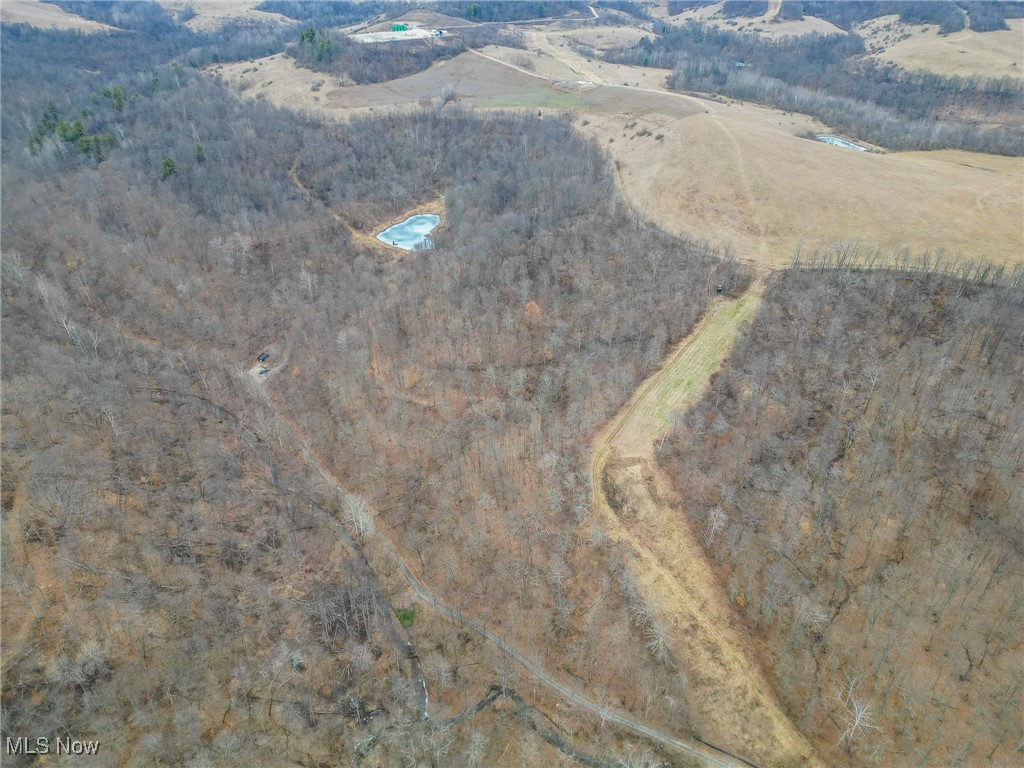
x=734 y=702
x=733 y=699
x=705 y=754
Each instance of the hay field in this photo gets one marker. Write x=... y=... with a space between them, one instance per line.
x=765 y=25
x=739 y=174
x=46 y=16
x=212 y=14
x=605 y=38
x=965 y=53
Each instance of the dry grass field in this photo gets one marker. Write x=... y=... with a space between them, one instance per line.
x=278 y=80
x=46 y=16
x=211 y=14
x=964 y=53
x=492 y=78
x=739 y=174
x=604 y=38
x=471 y=76
x=534 y=61
x=765 y=25
x=556 y=44
x=734 y=173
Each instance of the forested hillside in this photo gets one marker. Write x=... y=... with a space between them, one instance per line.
x=854 y=472
x=381 y=549
x=356 y=62
x=342 y=12
x=178 y=583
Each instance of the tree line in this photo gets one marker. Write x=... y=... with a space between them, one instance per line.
x=337 y=13
x=861 y=120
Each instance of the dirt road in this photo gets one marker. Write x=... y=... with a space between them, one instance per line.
x=732 y=697
x=734 y=702
x=693 y=748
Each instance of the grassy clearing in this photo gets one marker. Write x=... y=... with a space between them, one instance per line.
x=992 y=54
x=213 y=14
x=687 y=375
x=766 y=25
x=542 y=98
x=46 y=16
x=739 y=174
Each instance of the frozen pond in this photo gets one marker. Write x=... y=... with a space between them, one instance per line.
x=835 y=141
x=411 y=233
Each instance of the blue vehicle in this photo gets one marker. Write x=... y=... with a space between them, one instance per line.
x=262 y=356
x=264 y=371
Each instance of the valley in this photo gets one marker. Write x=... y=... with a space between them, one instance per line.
x=685 y=438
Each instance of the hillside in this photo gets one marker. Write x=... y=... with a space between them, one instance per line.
x=994 y=53
x=593 y=474
x=47 y=16
x=854 y=474
x=177 y=569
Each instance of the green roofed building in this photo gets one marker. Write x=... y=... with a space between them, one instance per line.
x=399 y=28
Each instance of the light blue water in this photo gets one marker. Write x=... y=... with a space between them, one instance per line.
x=835 y=141
x=411 y=233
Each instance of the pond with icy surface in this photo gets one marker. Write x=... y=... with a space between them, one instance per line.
x=835 y=141
x=411 y=233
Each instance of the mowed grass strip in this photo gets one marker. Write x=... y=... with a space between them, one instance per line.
x=686 y=374
x=542 y=98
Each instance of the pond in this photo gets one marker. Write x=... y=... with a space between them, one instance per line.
x=411 y=233
x=835 y=141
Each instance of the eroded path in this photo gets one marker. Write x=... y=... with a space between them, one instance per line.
x=733 y=699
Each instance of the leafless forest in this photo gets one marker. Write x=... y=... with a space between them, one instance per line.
x=193 y=570
x=173 y=572
x=855 y=474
